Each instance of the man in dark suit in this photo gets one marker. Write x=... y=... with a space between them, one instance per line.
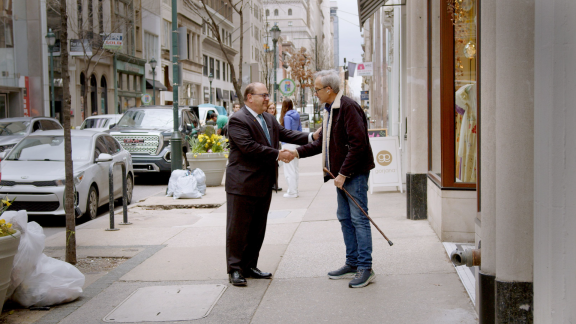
x=254 y=139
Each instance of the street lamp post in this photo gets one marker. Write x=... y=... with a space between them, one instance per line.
x=176 y=139
x=210 y=78
x=345 y=75
x=51 y=39
x=275 y=31
x=153 y=66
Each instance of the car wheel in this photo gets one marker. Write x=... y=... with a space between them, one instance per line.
x=91 y=204
x=129 y=189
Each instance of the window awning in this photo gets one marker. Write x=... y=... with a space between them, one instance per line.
x=366 y=8
x=159 y=85
x=218 y=94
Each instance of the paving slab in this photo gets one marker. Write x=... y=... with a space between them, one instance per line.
x=167 y=304
x=127 y=235
x=236 y=306
x=216 y=236
x=197 y=263
x=411 y=299
x=318 y=247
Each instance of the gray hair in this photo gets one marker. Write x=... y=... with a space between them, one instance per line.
x=329 y=78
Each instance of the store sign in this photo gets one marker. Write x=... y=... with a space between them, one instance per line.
x=387 y=172
x=364 y=69
x=80 y=47
x=129 y=67
x=113 y=42
x=287 y=87
x=364 y=95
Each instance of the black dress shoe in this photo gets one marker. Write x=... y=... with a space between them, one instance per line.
x=276 y=188
x=236 y=278
x=257 y=274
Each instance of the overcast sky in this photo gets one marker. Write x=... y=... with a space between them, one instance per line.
x=350 y=39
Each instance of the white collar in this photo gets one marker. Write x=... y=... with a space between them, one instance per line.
x=255 y=114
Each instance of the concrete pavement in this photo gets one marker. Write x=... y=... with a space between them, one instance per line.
x=171 y=244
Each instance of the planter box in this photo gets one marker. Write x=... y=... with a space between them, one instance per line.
x=8 y=248
x=212 y=164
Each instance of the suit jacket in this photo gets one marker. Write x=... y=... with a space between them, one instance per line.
x=252 y=162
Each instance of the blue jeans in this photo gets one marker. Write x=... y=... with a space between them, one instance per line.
x=355 y=225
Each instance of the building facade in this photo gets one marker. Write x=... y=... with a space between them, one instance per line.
x=485 y=94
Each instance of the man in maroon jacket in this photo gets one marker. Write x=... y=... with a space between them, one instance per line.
x=346 y=152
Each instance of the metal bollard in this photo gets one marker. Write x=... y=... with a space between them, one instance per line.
x=111 y=195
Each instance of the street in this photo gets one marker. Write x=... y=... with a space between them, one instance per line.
x=146 y=185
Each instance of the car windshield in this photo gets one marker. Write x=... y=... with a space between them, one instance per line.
x=147 y=118
x=13 y=128
x=95 y=123
x=50 y=148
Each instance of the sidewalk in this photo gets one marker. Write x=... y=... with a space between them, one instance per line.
x=415 y=283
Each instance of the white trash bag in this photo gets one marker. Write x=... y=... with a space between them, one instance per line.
x=172 y=182
x=200 y=180
x=29 y=250
x=52 y=282
x=186 y=187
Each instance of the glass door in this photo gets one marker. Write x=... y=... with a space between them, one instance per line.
x=3 y=106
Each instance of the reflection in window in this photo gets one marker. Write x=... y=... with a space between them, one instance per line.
x=465 y=96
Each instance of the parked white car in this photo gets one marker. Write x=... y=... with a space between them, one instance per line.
x=100 y=123
x=33 y=172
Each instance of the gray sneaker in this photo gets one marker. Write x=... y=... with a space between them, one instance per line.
x=347 y=271
x=362 y=278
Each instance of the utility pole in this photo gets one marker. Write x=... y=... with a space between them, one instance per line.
x=176 y=139
x=345 y=75
x=275 y=31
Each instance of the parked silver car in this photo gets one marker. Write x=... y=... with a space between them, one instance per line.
x=13 y=130
x=33 y=172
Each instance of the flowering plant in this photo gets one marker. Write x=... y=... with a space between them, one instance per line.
x=5 y=228
x=209 y=144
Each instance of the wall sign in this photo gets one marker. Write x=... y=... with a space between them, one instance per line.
x=364 y=69
x=387 y=172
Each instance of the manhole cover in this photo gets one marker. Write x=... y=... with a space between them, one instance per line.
x=166 y=304
x=278 y=214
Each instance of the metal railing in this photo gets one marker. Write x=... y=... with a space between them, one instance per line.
x=111 y=195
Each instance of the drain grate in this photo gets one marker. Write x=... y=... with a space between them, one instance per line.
x=167 y=304
x=170 y=207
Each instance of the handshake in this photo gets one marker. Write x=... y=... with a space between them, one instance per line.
x=287 y=156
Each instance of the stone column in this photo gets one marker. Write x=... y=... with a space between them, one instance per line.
x=417 y=101
x=514 y=176
x=486 y=227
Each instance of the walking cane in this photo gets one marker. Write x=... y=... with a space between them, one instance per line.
x=354 y=200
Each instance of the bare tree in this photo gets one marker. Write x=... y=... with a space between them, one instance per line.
x=201 y=8
x=300 y=65
x=69 y=167
x=325 y=57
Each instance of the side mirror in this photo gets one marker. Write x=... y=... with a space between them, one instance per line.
x=112 y=126
x=104 y=157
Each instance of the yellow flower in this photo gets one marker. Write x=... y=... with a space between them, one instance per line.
x=206 y=145
x=6 y=202
x=226 y=155
x=219 y=143
x=195 y=155
x=2 y=221
x=226 y=140
x=9 y=225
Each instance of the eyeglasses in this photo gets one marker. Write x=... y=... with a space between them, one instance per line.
x=316 y=90
x=264 y=95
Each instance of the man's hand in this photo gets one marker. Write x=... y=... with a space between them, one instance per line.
x=285 y=156
x=316 y=134
x=339 y=181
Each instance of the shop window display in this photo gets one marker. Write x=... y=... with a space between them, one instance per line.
x=465 y=91
x=452 y=93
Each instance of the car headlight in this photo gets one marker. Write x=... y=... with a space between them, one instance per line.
x=77 y=180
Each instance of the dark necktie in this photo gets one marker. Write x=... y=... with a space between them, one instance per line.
x=265 y=128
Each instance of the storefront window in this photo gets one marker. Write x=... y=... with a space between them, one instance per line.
x=452 y=93
x=465 y=92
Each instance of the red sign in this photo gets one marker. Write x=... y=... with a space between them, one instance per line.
x=26 y=96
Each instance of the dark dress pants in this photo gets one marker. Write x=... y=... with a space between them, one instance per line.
x=245 y=229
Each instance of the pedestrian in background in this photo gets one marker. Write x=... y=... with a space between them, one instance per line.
x=272 y=111
x=290 y=119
